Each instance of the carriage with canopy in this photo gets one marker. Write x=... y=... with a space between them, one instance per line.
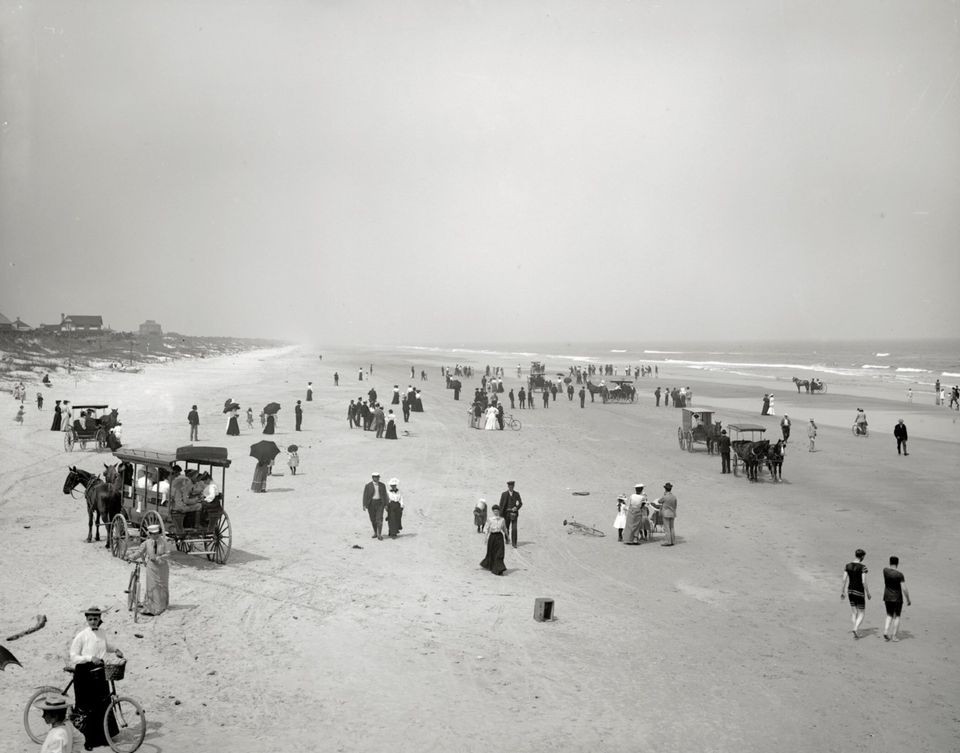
x=204 y=532
x=538 y=379
x=749 y=446
x=697 y=426
x=91 y=425
x=619 y=391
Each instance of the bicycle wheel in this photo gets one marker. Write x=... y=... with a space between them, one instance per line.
x=33 y=717
x=125 y=725
x=133 y=593
x=515 y=424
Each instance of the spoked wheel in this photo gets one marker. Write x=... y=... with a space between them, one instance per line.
x=680 y=437
x=101 y=439
x=68 y=441
x=125 y=725
x=515 y=424
x=120 y=532
x=133 y=594
x=689 y=442
x=151 y=518
x=218 y=548
x=33 y=717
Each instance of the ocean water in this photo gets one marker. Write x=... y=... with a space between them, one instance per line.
x=909 y=361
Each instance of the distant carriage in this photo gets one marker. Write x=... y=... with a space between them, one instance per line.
x=93 y=432
x=698 y=427
x=206 y=532
x=810 y=385
x=538 y=379
x=619 y=391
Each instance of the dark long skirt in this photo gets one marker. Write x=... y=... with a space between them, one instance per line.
x=391 y=429
x=396 y=399
x=92 y=695
x=260 y=477
x=55 y=426
x=417 y=406
x=309 y=396
x=494 y=559
x=394 y=511
x=233 y=427
x=271 y=425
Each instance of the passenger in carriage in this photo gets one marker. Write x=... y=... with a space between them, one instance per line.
x=180 y=501
x=162 y=488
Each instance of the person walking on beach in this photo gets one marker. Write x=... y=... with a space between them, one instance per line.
x=480 y=514
x=293 y=461
x=900 y=432
x=668 y=509
x=510 y=504
x=785 y=427
x=509 y=395
x=249 y=417
x=765 y=408
x=855 y=586
x=19 y=417
x=379 y=421
x=656 y=395
x=894 y=592
x=724 y=452
x=309 y=392
x=374 y=502
x=391 y=432
x=812 y=435
x=298 y=415
x=55 y=425
x=405 y=407
x=193 y=418
x=39 y=401
x=936 y=393
x=909 y=394
x=495 y=543
x=394 y=509
x=583 y=397
x=522 y=397
x=336 y=379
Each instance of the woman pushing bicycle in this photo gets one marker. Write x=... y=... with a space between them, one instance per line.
x=87 y=652
x=153 y=552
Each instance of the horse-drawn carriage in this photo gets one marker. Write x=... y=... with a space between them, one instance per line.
x=538 y=379
x=697 y=426
x=88 y=426
x=619 y=391
x=750 y=450
x=810 y=385
x=144 y=502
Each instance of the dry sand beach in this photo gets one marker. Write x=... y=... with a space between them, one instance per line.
x=315 y=637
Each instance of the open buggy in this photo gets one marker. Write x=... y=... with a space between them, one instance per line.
x=697 y=426
x=205 y=532
x=619 y=391
x=91 y=425
x=749 y=448
x=538 y=379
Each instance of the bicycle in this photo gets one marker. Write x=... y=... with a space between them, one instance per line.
x=575 y=527
x=124 y=722
x=133 y=592
x=512 y=423
x=860 y=430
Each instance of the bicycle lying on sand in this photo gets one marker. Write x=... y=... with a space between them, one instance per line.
x=575 y=527
x=124 y=722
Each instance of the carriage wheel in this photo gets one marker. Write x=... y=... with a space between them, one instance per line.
x=689 y=441
x=101 y=439
x=119 y=542
x=680 y=437
x=68 y=440
x=823 y=388
x=218 y=547
x=151 y=518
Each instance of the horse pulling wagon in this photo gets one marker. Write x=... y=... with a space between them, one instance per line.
x=810 y=385
x=144 y=501
x=751 y=450
x=697 y=426
x=538 y=379
x=619 y=391
x=84 y=430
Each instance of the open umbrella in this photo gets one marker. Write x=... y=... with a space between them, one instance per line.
x=264 y=451
x=270 y=408
x=292 y=448
x=228 y=405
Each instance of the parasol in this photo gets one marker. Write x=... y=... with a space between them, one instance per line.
x=567 y=380
x=271 y=408
x=228 y=405
x=7 y=658
x=292 y=448
x=264 y=451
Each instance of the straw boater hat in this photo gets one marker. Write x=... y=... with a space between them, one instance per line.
x=394 y=482
x=638 y=485
x=93 y=610
x=53 y=702
x=153 y=528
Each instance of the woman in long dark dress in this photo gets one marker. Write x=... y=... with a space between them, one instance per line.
x=394 y=508
x=55 y=426
x=260 y=476
x=391 y=425
x=496 y=532
x=90 y=688
x=233 y=425
x=271 y=424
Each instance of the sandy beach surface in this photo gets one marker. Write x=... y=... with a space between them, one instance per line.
x=315 y=637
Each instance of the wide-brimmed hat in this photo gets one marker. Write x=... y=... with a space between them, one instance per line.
x=53 y=702
x=638 y=485
x=668 y=486
x=153 y=528
x=375 y=474
x=394 y=482
x=93 y=610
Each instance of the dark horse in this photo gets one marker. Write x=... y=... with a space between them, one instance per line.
x=775 y=461
x=102 y=498
x=752 y=454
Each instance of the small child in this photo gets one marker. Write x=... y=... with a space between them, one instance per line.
x=19 y=418
x=644 y=521
x=249 y=418
x=293 y=461
x=620 y=522
x=480 y=515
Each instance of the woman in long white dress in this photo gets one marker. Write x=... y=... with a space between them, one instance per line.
x=491 y=423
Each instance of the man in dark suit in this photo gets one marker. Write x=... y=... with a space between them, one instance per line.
x=724 y=452
x=374 y=502
x=510 y=504
x=298 y=413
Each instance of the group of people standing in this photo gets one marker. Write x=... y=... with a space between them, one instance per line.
x=638 y=516
x=379 y=502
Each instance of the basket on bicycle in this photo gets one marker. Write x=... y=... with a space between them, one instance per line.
x=114 y=670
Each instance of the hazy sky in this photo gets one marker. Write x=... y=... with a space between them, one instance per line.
x=414 y=172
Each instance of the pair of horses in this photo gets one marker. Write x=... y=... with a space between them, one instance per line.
x=102 y=496
x=755 y=454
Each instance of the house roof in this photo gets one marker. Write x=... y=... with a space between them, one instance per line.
x=84 y=321
x=4 y=320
